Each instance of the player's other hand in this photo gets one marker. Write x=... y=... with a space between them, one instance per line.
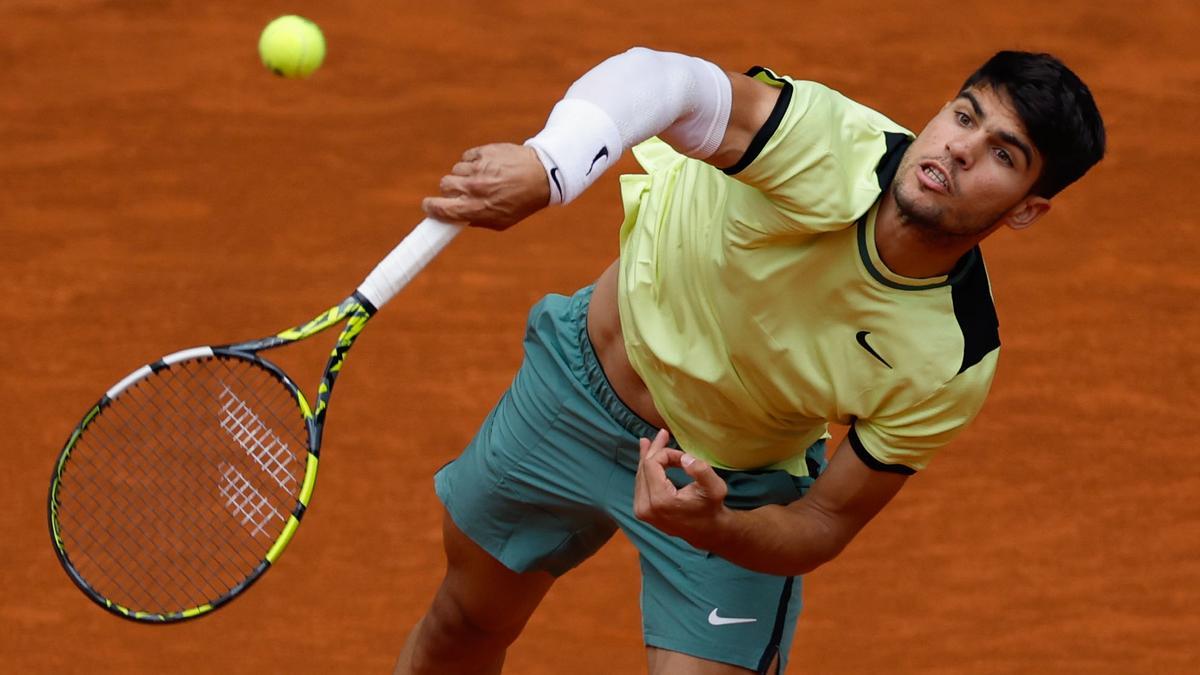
x=693 y=512
x=494 y=186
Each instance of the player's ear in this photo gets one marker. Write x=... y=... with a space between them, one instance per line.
x=1026 y=212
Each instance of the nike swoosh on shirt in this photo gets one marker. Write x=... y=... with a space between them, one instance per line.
x=716 y=620
x=861 y=336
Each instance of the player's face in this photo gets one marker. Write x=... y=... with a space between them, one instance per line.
x=970 y=169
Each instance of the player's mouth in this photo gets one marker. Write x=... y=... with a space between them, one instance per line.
x=934 y=177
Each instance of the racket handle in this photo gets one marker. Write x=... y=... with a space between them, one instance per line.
x=409 y=257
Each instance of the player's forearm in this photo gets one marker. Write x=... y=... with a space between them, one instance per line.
x=783 y=540
x=625 y=100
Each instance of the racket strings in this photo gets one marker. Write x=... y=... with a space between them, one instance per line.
x=152 y=507
x=194 y=434
x=164 y=515
x=157 y=507
x=101 y=554
x=180 y=480
x=101 y=550
x=174 y=493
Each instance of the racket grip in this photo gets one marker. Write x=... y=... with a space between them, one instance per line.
x=409 y=257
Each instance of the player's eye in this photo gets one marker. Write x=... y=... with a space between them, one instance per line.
x=963 y=118
x=1003 y=156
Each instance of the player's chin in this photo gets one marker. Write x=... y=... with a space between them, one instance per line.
x=918 y=206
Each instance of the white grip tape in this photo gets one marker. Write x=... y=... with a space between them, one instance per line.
x=408 y=258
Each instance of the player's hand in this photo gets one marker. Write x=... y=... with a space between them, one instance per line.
x=494 y=186
x=693 y=512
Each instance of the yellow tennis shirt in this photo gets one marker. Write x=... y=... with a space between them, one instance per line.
x=756 y=308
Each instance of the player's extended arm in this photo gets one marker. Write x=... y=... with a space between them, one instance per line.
x=693 y=105
x=784 y=540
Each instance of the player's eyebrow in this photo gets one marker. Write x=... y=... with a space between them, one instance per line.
x=1004 y=135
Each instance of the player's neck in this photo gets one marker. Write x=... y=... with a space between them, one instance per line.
x=908 y=249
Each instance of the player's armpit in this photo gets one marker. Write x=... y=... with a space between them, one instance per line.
x=752 y=104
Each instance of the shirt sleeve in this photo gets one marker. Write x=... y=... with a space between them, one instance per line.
x=814 y=160
x=906 y=440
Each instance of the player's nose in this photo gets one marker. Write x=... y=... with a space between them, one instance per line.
x=962 y=150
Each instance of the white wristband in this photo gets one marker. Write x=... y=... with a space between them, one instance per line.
x=578 y=143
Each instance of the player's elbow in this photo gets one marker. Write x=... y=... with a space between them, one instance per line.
x=816 y=557
x=827 y=535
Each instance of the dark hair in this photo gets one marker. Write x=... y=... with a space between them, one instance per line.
x=1057 y=109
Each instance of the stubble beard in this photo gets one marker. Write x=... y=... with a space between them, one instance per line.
x=931 y=221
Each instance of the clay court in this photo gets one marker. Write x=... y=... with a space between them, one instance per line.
x=161 y=190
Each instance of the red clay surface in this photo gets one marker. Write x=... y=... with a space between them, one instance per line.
x=160 y=189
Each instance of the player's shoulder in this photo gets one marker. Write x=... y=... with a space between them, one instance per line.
x=817 y=101
x=830 y=141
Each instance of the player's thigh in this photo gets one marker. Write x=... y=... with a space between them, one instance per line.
x=666 y=662
x=528 y=488
x=482 y=592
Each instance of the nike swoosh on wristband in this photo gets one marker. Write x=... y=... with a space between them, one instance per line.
x=861 y=336
x=554 y=177
x=716 y=620
x=599 y=155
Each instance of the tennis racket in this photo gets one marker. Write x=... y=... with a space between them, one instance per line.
x=189 y=477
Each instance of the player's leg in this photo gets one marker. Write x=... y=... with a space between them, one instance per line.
x=480 y=608
x=523 y=501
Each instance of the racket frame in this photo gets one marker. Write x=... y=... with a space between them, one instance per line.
x=354 y=311
x=388 y=277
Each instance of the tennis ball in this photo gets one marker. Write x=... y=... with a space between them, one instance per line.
x=292 y=46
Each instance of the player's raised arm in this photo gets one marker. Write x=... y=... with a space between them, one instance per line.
x=699 y=109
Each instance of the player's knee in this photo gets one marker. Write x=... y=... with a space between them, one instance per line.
x=451 y=623
x=447 y=641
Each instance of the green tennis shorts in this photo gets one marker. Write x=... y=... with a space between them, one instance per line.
x=549 y=478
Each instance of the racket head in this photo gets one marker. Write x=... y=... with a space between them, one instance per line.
x=183 y=484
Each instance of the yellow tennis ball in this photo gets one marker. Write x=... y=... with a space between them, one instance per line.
x=292 y=46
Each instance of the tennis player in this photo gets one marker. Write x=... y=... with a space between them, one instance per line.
x=790 y=258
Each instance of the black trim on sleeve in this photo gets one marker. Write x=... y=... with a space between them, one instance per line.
x=870 y=461
x=771 y=125
x=975 y=312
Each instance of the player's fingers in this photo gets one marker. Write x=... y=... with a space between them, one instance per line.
x=652 y=474
x=436 y=207
x=463 y=169
x=652 y=494
x=650 y=466
x=642 y=487
x=661 y=438
x=453 y=186
x=454 y=209
x=709 y=484
x=472 y=154
x=662 y=457
x=652 y=448
x=669 y=457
